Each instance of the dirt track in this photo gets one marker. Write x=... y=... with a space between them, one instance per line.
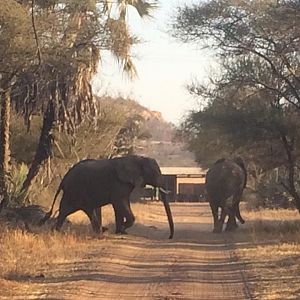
x=146 y=265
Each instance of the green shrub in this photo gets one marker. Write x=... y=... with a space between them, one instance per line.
x=16 y=177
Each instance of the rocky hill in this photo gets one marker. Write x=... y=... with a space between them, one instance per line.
x=158 y=141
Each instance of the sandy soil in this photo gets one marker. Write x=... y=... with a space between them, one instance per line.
x=144 y=264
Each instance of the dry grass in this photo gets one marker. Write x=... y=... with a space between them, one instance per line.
x=269 y=243
x=24 y=254
x=273 y=253
x=278 y=224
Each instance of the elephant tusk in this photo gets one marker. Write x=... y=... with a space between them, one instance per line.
x=164 y=191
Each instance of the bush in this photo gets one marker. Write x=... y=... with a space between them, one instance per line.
x=16 y=177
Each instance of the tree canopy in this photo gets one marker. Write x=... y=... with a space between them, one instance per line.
x=252 y=105
x=49 y=52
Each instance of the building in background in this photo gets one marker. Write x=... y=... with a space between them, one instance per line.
x=185 y=184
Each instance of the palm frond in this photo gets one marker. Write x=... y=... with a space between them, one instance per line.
x=144 y=8
x=108 y=5
x=129 y=68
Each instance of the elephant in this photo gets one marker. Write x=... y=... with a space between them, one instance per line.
x=93 y=183
x=225 y=182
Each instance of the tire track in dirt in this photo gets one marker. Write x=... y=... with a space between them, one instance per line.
x=145 y=265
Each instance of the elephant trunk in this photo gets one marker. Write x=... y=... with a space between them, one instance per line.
x=163 y=195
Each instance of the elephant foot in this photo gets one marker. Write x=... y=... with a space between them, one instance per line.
x=104 y=228
x=231 y=228
x=121 y=232
x=98 y=236
x=218 y=227
x=217 y=230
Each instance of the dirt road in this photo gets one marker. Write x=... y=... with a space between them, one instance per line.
x=146 y=265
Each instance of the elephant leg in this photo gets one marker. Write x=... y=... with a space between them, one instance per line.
x=122 y=210
x=97 y=218
x=214 y=210
x=238 y=215
x=60 y=221
x=130 y=219
x=236 y=202
x=94 y=220
x=233 y=213
x=61 y=218
x=224 y=213
x=97 y=214
x=119 y=217
x=64 y=211
x=231 y=223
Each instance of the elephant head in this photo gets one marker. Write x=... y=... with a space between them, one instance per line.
x=141 y=171
x=138 y=170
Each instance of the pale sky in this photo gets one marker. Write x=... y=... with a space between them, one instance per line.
x=164 y=66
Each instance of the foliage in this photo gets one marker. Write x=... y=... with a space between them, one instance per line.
x=252 y=128
x=49 y=52
x=91 y=142
x=126 y=136
x=252 y=106
x=16 y=40
x=17 y=175
x=16 y=50
x=95 y=142
x=24 y=143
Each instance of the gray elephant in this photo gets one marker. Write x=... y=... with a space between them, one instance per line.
x=225 y=182
x=91 y=184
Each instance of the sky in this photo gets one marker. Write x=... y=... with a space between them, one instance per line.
x=164 y=66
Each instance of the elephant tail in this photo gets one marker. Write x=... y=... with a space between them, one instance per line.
x=49 y=213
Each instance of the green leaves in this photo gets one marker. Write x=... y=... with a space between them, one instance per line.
x=252 y=107
x=16 y=177
x=16 y=39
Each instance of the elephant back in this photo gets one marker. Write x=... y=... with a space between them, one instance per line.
x=87 y=172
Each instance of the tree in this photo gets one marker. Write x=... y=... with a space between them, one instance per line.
x=69 y=60
x=127 y=135
x=120 y=30
x=16 y=51
x=69 y=36
x=254 y=103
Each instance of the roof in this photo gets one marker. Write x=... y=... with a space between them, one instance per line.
x=182 y=171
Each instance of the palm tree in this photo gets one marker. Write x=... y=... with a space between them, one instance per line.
x=122 y=40
x=16 y=51
x=59 y=85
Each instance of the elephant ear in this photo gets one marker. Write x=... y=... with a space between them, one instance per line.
x=239 y=161
x=129 y=169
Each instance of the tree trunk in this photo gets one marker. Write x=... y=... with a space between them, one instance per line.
x=291 y=163
x=4 y=144
x=44 y=148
